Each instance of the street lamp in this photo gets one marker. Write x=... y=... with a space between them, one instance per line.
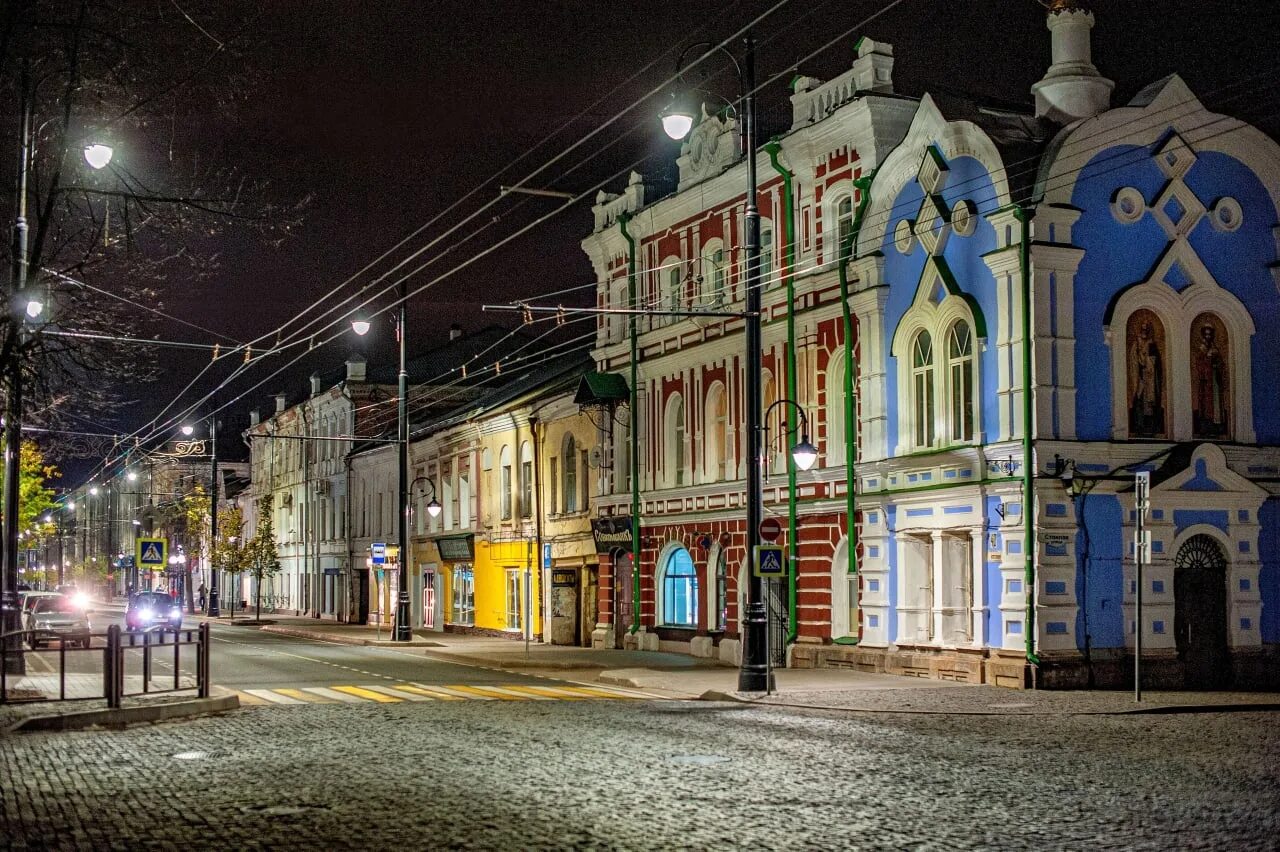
x=361 y=327
x=98 y=155
x=805 y=454
x=754 y=674
x=433 y=507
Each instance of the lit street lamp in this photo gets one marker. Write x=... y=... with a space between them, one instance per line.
x=433 y=507
x=677 y=121
x=361 y=327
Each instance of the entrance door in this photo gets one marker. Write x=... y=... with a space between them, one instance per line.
x=623 y=583
x=590 y=603
x=362 y=597
x=1200 y=613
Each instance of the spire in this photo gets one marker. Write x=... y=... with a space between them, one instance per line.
x=1072 y=88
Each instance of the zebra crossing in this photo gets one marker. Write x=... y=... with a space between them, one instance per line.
x=399 y=692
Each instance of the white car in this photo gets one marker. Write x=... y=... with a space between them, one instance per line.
x=59 y=617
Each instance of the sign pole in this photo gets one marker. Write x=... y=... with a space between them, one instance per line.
x=1141 y=490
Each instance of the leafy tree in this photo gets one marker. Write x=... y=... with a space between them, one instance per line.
x=35 y=497
x=186 y=520
x=263 y=559
x=231 y=551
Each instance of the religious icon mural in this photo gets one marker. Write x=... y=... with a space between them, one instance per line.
x=1147 y=348
x=1210 y=379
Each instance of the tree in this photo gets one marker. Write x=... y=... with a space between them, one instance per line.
x=35 y=497
x=167 y=87
x=263 y=560
x=186 y=520
x=231 y=551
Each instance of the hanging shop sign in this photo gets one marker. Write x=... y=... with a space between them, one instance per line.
x=611 y=533
x=457 y=548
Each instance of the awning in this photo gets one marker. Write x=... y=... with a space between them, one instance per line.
x=602 y=389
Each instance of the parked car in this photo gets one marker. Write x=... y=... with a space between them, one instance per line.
x=152 y=609
x=59 y=617
x=26 y=603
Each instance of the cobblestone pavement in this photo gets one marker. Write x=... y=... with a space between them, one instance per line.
x=645 y=775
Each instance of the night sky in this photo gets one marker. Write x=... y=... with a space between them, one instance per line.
x=389 y=112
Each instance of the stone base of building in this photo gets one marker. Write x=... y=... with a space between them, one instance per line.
x=999 y=668
x=467 y=630
x=1252 y=669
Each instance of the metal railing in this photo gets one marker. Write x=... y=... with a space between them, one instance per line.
x=119 y=651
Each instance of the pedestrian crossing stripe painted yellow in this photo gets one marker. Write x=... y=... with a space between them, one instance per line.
x=394 y=693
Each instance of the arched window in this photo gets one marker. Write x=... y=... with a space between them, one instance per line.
x=674 y=459
x=767 y=277
x=776 y=425
x=718 y=568
x=844 y=594
x=674 y=275
x=570 y=489
x=678 y=590
x=922 y=401
x=712 y=278
x=835 y=399
x=844 y=225
x=960 y=380
x=505 y=486
x=715 y=464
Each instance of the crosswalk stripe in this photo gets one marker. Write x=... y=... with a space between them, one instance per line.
x=367 y=693
x=520 y=695
x=601 y=692
x=543 y=693
x=273 y=697
x=246 y=698
x=333 y=695
x=396 y=693
x=289 y=692
x=476 y=692
x=432 y=691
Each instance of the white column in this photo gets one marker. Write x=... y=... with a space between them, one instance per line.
x=977 y=605
x=936 y=564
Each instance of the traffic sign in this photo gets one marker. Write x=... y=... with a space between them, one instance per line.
x=769 y=561
x=546 y=555
x=152 y=552
x=770 y=529
x=378 y=552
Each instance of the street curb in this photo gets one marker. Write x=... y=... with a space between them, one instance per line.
x=124 y=716
x=345 y=640
x=1165 y=710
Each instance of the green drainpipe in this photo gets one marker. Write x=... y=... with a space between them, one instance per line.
x=623 y=219
x=773 y=149
x=863 y=185
x=1028 y=469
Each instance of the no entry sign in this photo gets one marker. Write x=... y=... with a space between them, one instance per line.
x=770 y=529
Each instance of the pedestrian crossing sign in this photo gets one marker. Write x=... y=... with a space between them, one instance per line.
x=769 y=561
x=152 y=552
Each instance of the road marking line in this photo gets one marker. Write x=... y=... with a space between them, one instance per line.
x=396 y=692
x=367 y=693
x=246 y=698
x=268 y=695
x=294 y=693
x=333 y=695
x=436 y=691
x=485 y=692
x=532 y=692
x=602 y=692
x=468 y=692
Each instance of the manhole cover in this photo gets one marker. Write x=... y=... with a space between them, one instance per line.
x=191 y=755
x=699 y=759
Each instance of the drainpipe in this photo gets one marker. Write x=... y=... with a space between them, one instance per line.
x=863 y=185
x=537 y=439
x=632 y=301
x=1028 y=468
x=307 y=487
x=773 y=148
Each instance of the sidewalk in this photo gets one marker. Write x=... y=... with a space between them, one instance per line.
x=681 y=676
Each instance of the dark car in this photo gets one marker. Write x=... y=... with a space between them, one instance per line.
x=152 y=609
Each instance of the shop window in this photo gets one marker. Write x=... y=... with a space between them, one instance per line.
x=679 y=590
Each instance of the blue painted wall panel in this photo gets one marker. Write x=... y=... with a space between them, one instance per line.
x=1099 y=574
x=1269 y=575
x=1183 y=518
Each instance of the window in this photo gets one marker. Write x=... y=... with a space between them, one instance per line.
x=464 y=496
x=621 y=458
x=716 y=444
x=922 y=402
x=446 y=497
x=514 y=605
x=570 y=475
x=719 y=618
x=675 y=287
x=767 y=278
x=464 y=595
x=504 y=487
x=674 y=457
x=960 y=381
x=777 y=428
x=526 y=480
x=584 y=462
x=835 y=405
x=844 y=225
x=679 y=588
x=712 y=278
x=555 y=487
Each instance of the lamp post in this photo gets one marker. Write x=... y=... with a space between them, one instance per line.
x=754 y=674
x=361 y=327
x=214 y=609
x=805 y=454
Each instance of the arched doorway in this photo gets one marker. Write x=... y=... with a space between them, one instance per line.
x=622 y=588
x=1200 y=613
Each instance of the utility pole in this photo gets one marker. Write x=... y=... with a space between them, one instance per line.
x=214 y=610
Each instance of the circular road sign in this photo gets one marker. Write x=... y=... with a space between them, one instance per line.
x=770 y=529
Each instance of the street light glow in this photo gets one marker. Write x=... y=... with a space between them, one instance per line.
x=98 y=155
x=360 y=326
x=187 y=429
x=93 y=491
x=677 y=124
x=35 y=307
x=804 y=453
x=132 y=476
x=434 y=509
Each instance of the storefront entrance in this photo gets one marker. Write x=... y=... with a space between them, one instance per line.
x=622 y=588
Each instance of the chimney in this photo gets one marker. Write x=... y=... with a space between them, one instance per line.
x=280 y=403
x=455 y=331
x=356 y=368
x=254 y=418
x=315 y=384
x=1072 y=88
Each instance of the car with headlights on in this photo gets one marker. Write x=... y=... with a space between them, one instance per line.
x=59 y=617
x=152 y=609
